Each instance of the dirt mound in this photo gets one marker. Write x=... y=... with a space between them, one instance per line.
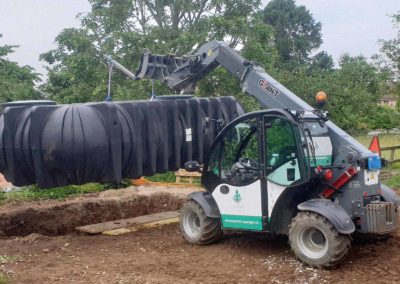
x=61 y=217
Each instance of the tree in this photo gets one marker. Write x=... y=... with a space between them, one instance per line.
x=280 y=38
x=17 y=83
x=257 y=47
x=389 y=59
x=353 y=90
x=390 y=50
x=322 y=60
x=122 y=28
x=296 y=31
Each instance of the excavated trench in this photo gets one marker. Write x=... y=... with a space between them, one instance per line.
x=53 y=218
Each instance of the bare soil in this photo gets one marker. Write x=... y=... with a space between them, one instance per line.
x=162 y=256
x=53 y=217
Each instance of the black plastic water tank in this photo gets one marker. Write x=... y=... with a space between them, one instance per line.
x=56 y=145
x=26 y=103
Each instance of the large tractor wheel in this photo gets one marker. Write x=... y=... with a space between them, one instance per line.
x=316 y=242
x=196 y=227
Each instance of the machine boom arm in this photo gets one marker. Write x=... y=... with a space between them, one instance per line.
x=182 y=73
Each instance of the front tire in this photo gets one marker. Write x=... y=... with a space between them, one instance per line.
x=316 y=242
x=196 y=227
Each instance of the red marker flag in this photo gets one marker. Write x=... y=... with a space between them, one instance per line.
x=375 y=146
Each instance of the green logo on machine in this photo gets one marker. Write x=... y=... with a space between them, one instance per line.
x=237 y=196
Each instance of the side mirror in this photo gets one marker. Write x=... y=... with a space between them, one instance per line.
x=193 y=166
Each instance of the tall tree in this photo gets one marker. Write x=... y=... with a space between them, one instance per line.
x=389 y=60
x=297 y=34
x=322 y=60
x=123 y=28
x=16 y=83
x=354 y=90
x=391 y=50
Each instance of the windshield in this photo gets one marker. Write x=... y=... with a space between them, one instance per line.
x=316 y=129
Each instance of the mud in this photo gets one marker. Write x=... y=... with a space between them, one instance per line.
x=61 y=217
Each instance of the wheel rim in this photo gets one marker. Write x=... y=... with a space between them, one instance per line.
x=312 y=242
x=191 y=224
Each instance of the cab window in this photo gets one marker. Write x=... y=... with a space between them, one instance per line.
x=282 y=154
x=235 y=159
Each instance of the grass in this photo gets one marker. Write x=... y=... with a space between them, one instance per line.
x=3 y=260
x=166 y=177
x=6 y=258
x=384 y=141
x=393 y=182
x=169 y=177
x=4 y=279
x=31 y=193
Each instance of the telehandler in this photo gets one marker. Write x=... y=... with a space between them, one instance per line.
x=287 y=170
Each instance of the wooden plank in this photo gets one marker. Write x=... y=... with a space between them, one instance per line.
x=138 y=227
x=394 y=161
x=121 y=223
x=185 y=176
x=390 y=148
x=184 y=173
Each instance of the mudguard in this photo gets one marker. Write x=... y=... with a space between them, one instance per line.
x=207 y=202
x=331 y=211
x=389 y=195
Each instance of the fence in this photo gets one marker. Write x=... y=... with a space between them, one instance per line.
x=392 y=157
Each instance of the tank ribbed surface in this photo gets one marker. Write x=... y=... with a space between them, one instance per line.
x=57 y=145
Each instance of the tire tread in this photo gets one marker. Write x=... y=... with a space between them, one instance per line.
x=210 y=227
x=341 y=243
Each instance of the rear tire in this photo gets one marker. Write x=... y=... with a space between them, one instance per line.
x=316 y=242
x=196 y=227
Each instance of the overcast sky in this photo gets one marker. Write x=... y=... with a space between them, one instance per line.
x=352 y=26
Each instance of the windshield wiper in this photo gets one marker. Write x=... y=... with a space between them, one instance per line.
x=311 y=146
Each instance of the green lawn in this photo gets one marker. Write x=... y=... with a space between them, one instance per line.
x=384 y=141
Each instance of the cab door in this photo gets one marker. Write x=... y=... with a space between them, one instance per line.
x=251 y=164
x=286 y=162
x=234 y=174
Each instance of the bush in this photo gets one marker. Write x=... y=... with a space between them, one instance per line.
x=383 y=117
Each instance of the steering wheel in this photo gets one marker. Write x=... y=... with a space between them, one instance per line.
x=248 y=163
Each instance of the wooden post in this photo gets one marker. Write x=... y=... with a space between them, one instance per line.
x=392 y=154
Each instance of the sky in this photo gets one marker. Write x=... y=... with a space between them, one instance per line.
x=352 y=26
